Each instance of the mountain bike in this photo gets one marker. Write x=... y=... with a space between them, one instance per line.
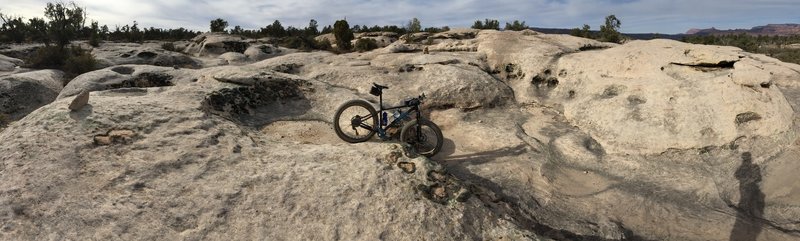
x=357 y=121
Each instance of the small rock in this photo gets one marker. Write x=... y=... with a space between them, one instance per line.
x=81 y=100
x=114 y=137
x=408 y=167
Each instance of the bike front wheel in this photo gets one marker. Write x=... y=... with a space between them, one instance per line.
x=355 y=121
x=424 y=136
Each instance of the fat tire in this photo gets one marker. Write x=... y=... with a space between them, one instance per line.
x=411 y=125
x=349 y=104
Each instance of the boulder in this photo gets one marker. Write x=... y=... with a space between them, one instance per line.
x=649 y=96
x=22 y=93
x=111 y=54
x=8 y=63
x=264 y=51
x=213 y=44
x=383 y=39
x=519 y=57
x=233 y=58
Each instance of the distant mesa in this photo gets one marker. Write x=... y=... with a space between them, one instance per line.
x=769 y=29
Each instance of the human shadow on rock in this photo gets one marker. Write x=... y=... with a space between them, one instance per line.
x=750 y=209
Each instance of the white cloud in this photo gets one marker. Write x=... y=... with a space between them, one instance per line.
x=637 y=15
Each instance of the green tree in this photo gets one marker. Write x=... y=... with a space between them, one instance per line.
x=477 y=25
x=343 y=35
x=94 y=37
x=609 y=32
x=218 y=25
x=274 y=30
x=13 y=29
x=37 y=29
x=414 y=26
x=237 y=30
x=66 y=20
x=136 y=34
x=312 y=29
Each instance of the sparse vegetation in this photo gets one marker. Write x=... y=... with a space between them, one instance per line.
x=436 y=30
x=583 y=32
x=516 y=26
x=609 y=31
x=487 y=24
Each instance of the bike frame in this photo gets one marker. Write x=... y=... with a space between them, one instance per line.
x=403 y=114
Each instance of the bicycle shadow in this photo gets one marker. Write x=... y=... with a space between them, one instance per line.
x=458 y=165
x=750 y=209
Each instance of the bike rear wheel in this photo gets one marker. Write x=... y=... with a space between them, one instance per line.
x=424 y=135
x=355 y=121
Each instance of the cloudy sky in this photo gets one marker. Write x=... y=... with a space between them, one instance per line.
x=637 y=16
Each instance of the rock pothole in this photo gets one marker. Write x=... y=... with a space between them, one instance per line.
x=285 y=95
x=123 y=70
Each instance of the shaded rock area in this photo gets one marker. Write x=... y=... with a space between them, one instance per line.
x=23 y=93
x=547 y=137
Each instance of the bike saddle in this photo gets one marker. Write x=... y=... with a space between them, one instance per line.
x=381 y=86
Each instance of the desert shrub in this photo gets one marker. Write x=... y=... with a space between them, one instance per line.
x=366 y=44
x=323 y=44
x=168 y=46
x=48 y=57
x=296 y=42
x=79 y=61
x=73 y=61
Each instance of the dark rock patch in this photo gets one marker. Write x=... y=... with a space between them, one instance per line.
x=747 y=117
x=123 y=70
